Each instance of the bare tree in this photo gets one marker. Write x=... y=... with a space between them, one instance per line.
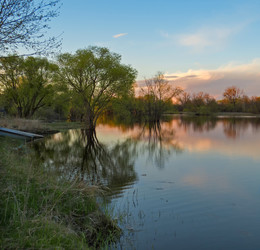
x=184 y=98
x=157 y=93
x=23 y=23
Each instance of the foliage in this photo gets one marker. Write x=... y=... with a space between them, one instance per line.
x=199 y=103
x=24 y=23
x=97 y=76
x=26 y=83
x=121 y=108
x=58 y=105
x=232 y=95
x=203 y=104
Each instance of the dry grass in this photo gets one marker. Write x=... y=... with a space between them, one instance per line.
x=22 y=124
x=37 y=126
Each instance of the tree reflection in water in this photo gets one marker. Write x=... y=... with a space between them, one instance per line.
x=235 y=127
x=78 y=155
x=197 y=124
x=159 y=141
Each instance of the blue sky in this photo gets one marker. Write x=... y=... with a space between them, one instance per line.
x=179 y=38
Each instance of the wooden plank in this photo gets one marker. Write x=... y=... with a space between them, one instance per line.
x=7 y=131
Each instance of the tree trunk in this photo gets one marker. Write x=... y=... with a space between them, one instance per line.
x=89 y=122
x=90 y=125
x=20 y=112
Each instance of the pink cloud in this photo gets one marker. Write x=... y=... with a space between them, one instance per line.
x=215 y=81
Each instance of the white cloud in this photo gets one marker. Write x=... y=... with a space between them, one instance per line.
x=211 y=37
x=119 y=35
x=206 y=38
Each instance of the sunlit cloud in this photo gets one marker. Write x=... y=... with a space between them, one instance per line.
x=214 y=81
x=120 y=35
x=244 y=76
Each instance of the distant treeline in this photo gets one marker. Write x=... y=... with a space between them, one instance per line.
x=93 y=82
x=234 y=100
x=149 y=106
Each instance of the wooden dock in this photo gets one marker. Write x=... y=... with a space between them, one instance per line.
x=19 y=134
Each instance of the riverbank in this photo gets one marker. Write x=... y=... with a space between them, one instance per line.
x=37 y=126
x=39 y=210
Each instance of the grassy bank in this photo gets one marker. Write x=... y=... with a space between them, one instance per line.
x=37 y=126
x=38 y=210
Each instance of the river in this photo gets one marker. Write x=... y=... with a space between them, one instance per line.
x=186 y=183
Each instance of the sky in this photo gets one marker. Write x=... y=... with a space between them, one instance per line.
x=200 y=45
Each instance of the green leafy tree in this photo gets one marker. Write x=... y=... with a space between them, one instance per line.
x=97 y=76
x=26 y=82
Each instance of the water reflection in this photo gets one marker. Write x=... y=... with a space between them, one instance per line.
x=78 y=154
x=197 y=124
x=159 y=141
x=184 y=183
x=232 y=127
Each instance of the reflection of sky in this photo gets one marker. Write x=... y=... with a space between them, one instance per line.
x=206 y=197
x=229 y=142
x=246 y=144
x=195 y=202
x=196 y=183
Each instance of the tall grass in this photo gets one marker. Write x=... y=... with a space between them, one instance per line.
x=39 y=210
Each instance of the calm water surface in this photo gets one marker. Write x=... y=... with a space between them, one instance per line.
x=184 y=184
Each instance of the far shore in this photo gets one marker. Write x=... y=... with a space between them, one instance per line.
x=218 y=114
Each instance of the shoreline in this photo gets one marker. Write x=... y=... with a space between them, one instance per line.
x=39 y=210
